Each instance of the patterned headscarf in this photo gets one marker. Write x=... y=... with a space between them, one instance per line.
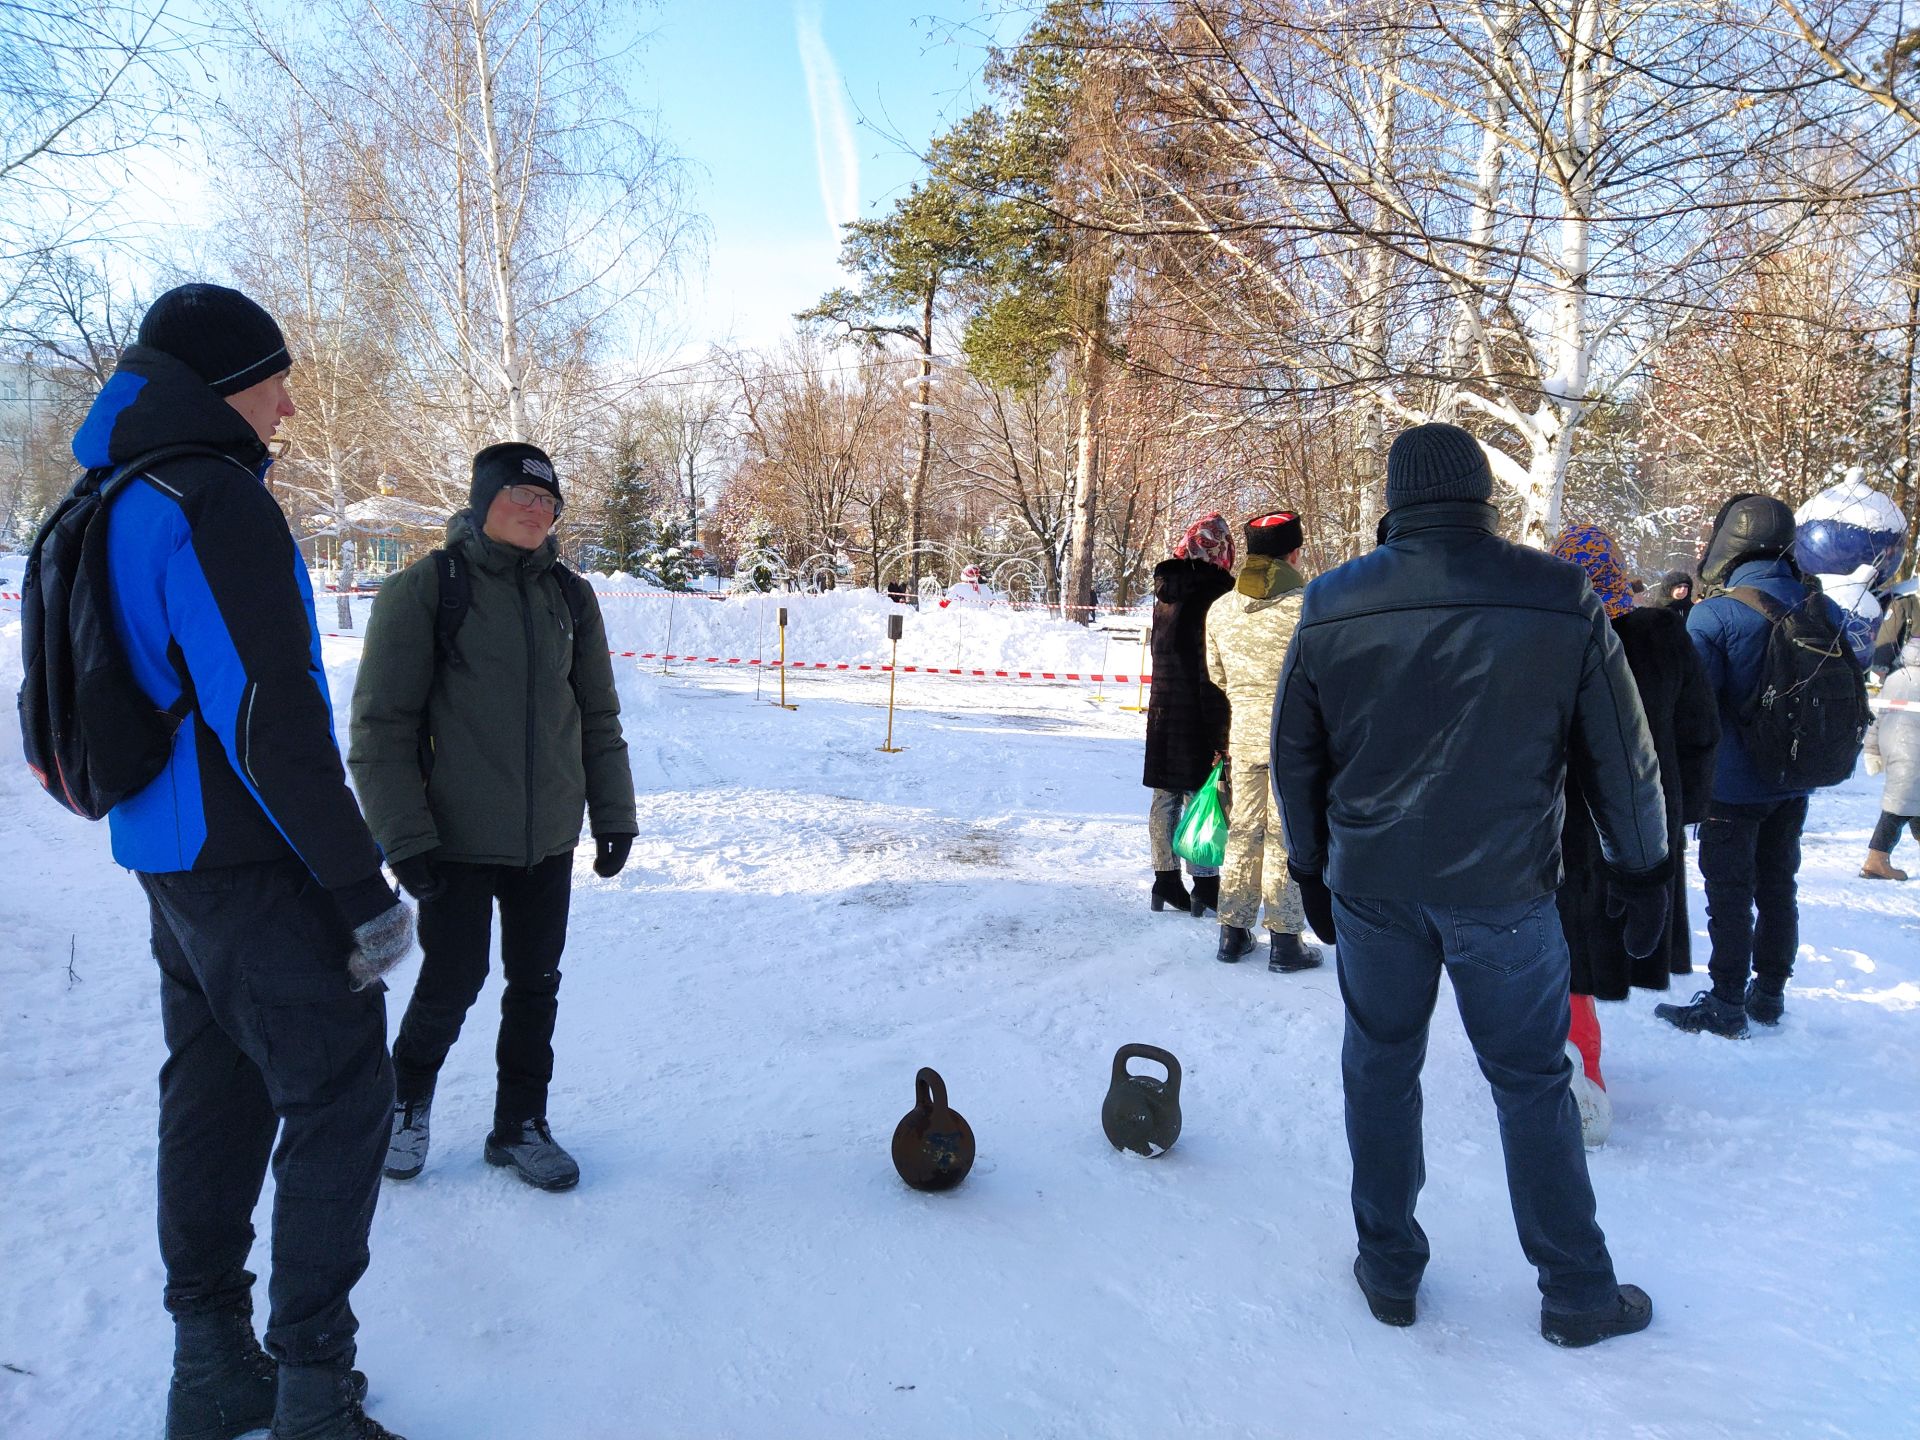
x=1591 y=548
x=1209 y=538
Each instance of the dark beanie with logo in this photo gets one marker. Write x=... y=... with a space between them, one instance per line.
x=512 y=462
x=1436 y=462
x=1278 y=534
x=222 y=336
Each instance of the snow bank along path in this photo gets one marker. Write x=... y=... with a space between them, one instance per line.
x=805 y=922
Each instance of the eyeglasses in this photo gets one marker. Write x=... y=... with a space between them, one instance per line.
x=533 y=497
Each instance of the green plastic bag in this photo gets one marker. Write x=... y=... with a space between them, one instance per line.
x=1201 y=838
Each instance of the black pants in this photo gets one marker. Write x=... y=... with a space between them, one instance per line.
x=456 y=932
x=1886 y=834
x=1749 y=856
x=1508 y=964
x=264 y=1036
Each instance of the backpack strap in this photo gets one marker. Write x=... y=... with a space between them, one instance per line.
x=450 y=612
x=1756 y=599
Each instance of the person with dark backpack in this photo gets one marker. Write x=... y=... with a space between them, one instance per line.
x=174 y=684
x=485 y=722
x=1793 y=716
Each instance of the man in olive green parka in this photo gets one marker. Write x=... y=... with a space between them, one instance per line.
x=516 y=724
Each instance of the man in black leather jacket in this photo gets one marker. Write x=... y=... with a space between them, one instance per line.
x=1435 y=695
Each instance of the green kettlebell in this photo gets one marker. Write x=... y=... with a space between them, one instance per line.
x=932 y=1144
x=1142 y=1114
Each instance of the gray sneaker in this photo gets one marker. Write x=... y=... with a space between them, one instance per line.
x=534 y=1155
x=407 y=1146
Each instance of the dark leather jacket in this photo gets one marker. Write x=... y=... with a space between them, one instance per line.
x=1435 y=695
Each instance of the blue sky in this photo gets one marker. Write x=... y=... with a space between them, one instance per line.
x=798 y=117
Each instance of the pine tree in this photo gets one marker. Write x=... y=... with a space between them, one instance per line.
x=625 y=529
x=667 y=549
x=758 y=564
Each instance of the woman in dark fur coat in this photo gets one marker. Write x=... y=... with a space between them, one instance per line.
x=1685 y=725
x=1186 y=712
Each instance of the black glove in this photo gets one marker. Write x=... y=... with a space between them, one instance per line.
x=1316 y=900
x=1642 y=898
x=419 y=876
x=610 y=854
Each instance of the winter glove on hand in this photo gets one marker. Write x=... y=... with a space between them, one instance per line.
x=420 y=876
x=1875 y=764
x=380 y=944
x=1316 y=900
x=1640 y=902
x=610 y=854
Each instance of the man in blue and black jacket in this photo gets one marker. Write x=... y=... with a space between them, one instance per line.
x=272 y=922
x=1750 y=840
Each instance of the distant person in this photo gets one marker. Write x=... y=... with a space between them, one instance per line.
x=1436 y=694
x=1897 y=626
x=1673 y=591
x=481 y=735
x=272 y=923
x=1893 y=745
x=1186 y=711
x=1750 y=839
x=1684 y=723
x=897 y=590
x=1248 y=631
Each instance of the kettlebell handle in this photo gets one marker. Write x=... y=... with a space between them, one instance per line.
x=1147 y=1052
x=929 y=1090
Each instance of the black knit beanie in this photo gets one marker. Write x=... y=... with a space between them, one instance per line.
x=1278 y=534
x=510 y=463
x=1436 y=462
x=219 y=334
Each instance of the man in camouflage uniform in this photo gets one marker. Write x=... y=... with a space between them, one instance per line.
x=1248 y=631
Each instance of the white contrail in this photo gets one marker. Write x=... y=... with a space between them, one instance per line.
x=833 y=149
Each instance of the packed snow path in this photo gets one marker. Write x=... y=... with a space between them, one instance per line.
x=806 y=921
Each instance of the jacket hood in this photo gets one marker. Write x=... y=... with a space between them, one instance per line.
x=465 y=532
x=1182 y=579
x=151 y=400
x=1265 y=580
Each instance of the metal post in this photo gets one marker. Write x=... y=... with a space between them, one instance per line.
x=669 y=650
x=894 y=627
x=783 y=661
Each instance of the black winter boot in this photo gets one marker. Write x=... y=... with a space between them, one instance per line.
x=223 y=1382
x=1234 y=942
x=1288 y=953
x=1708 y=1012
x=1387 y=1309
x=1167 y=890
x=1765 y=1006
x=1206 y=895
x=324 y=1402
x=1630 y=1311
x=532 y=1153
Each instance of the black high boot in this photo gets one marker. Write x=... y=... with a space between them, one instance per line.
x=1234 y=942
x=1287 y=953
x=1167 y=890
x=323 y=1402
x=223 y=1382
x=1206 y=895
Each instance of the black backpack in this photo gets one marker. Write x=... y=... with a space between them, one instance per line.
x=456 y=598
x=1806 y=720
x=91 y=735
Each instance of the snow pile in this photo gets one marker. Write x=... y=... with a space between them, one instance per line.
x=805 y=922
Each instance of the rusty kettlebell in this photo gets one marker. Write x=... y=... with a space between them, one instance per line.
x=932 y=1144
x=1142 y=1114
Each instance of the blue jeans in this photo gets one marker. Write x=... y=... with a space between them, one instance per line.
x=1509 y=969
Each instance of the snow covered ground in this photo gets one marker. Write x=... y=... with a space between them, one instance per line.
x=804 y=923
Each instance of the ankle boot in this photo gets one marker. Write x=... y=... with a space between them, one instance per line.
x=1765 y=1005
x=1879 y=866
x=1206 y=895
x=1287 y=953
x=1167 y=890
x=223 y=1382
x=1234 y=942
x=323 y=1402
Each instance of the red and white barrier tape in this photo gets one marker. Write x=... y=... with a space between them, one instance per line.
x=941 y=602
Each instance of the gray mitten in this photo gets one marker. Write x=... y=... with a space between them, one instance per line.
x=380 y=944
